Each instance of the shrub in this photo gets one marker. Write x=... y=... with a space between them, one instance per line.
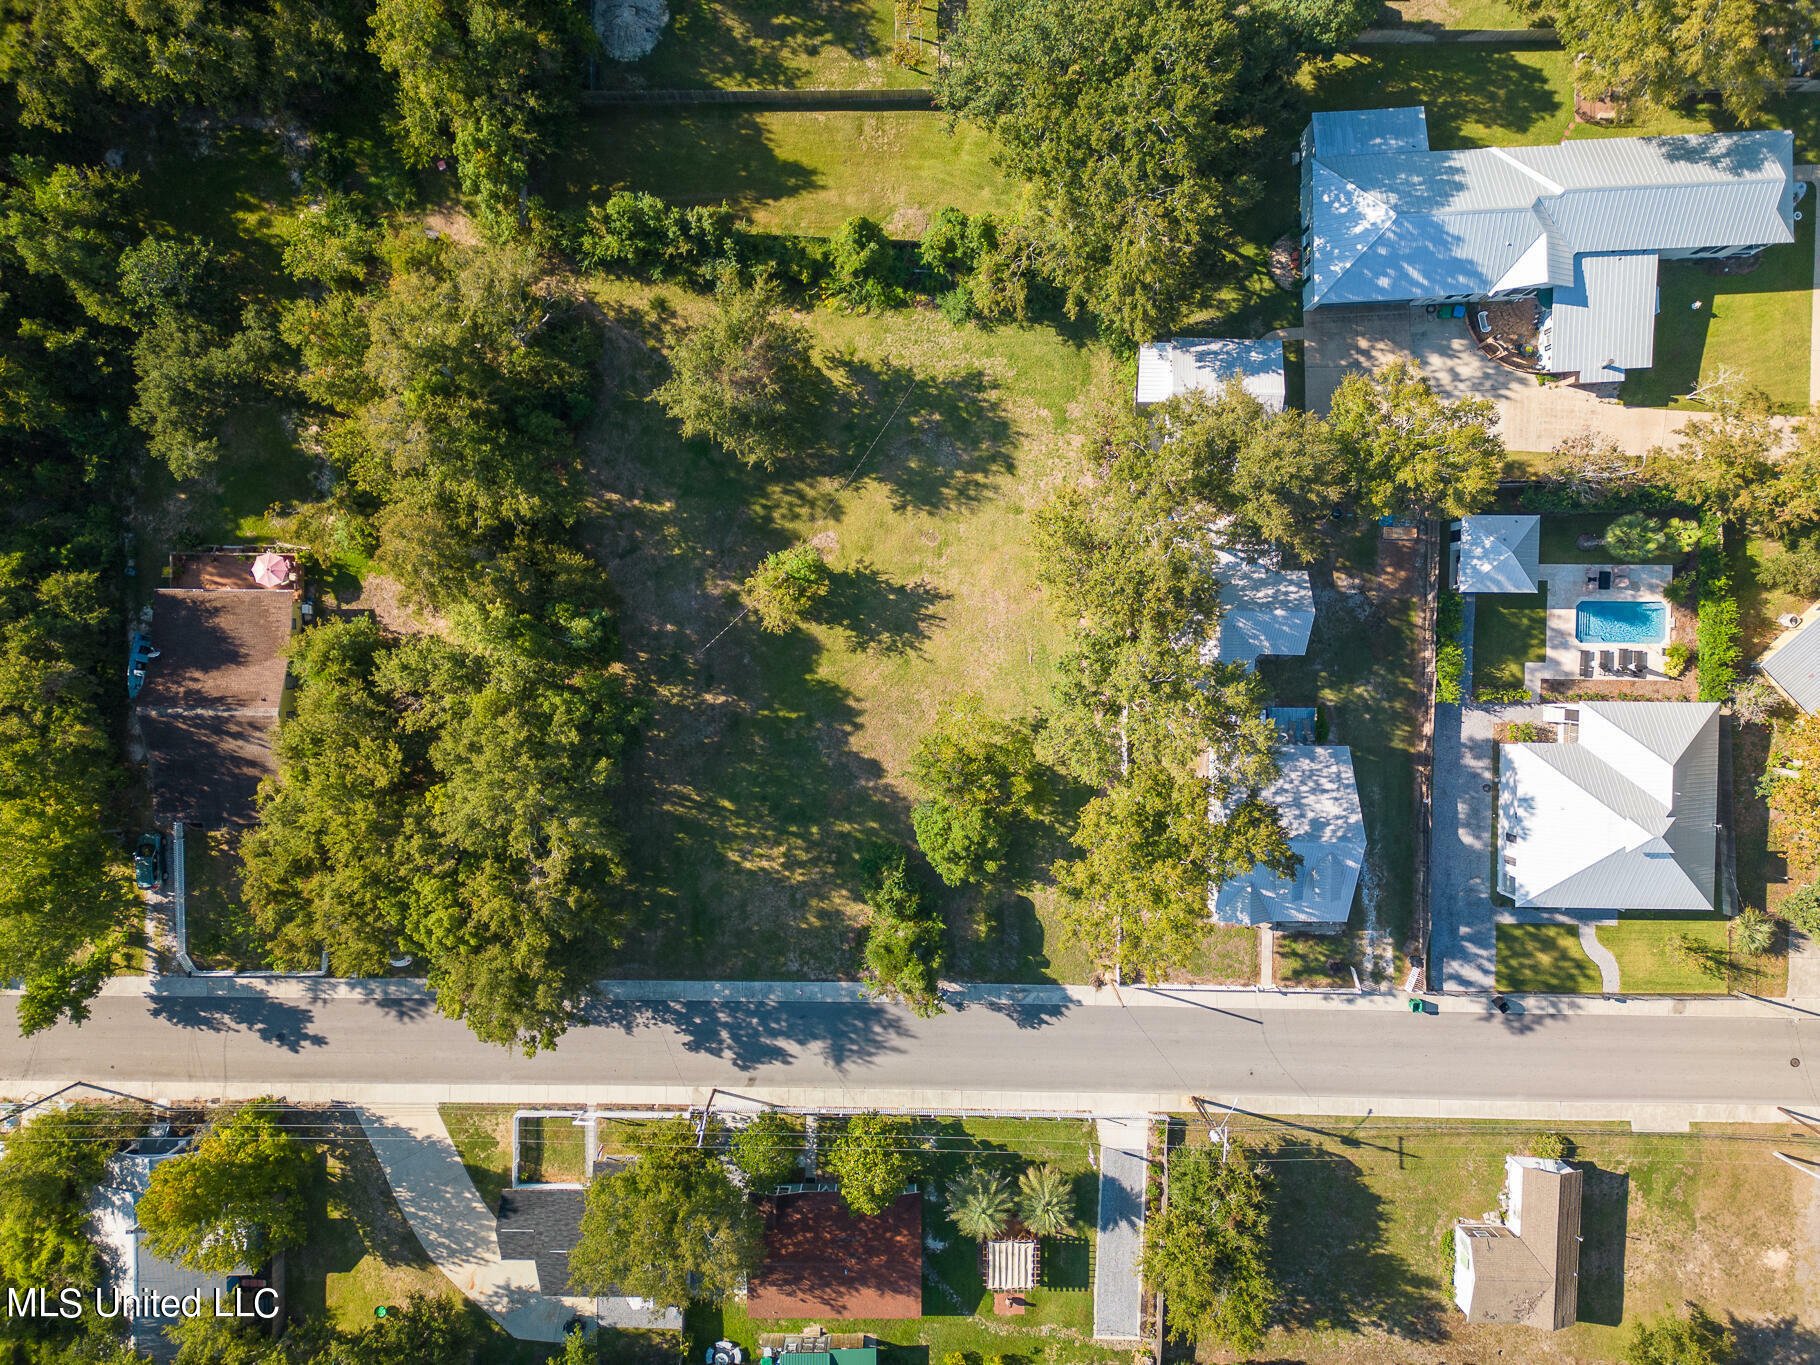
x=1674 y=660
x=1502 y=694
x=1528 y=732
x=1551 y=1146
x=1755 y=701
x=1719 y=651
x=904 y=945
x=783 y=588
x=862 y=266
x=1754 y=932
x=1802 y=910
x=638 y=234
x=1668 y=1340
x=1450 y=654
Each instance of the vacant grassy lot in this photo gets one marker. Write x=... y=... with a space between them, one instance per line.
x=221 y=933
x=770 y=761
x=482 y=1134
x=1358 y=669
x=789 y=172
x=1508 y=631
x=757 y=45
x=1544 y=957
x=1365 y=1208
x=957 y=1308
x=1757 y=327
x=1648 y=963
x=551 y=1150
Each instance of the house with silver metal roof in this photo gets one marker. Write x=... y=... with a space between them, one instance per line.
x=1793 y=662
x=1169 y=369
x=1318 y=799
x=1500 y=554
x=1624 y=818
x=1579 y=227
x=1265 y=609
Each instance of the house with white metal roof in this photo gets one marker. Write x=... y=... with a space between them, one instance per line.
x=1624 y=818
x=1500 y=554
x=1265 y=610
x=1580 y=227
x=1318 y=799
x=1793 y=662
x=1169 y=369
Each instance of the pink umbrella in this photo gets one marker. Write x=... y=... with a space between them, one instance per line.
x=272 y=570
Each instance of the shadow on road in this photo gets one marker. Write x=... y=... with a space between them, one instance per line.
x=277 y=1022
x=757 y=1034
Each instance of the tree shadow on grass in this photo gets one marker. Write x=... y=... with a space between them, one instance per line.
x=883 y=617
x=694 y=155
x=1459 y=86
x=949 y=437
x=755 y=44
x=1329 y=1254
x=1782 y=1340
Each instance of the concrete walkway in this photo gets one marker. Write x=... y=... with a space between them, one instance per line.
x=1803 y=965
x=1599 y=953
x=1811 y=174
x=1118 y=1293
x=456 y=1228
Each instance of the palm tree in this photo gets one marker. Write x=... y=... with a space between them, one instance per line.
x=979 y=1204
x=1045 y=1200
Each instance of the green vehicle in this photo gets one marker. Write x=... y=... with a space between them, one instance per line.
x=148 y=862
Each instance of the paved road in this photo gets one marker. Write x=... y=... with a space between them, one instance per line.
x=1364 y=1055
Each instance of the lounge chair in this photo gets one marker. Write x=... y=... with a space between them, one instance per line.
x=1605 y=664
x=1586 y=663
x=1604 y=579
x=1639 y=663
x=1622 y=578
x=1592 y=582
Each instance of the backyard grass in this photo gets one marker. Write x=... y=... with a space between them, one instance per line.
x=1476 y=95
x=1648 y=965
x=756 y=45
x=1546 y=958
x=1799 y=113
x=1561 y=533
x=1756 y=327
x=957 y=1309
x=1358 y=668
x=788 y=172
x=1456 y=14
x=1365 y=1208
x=1508 y=631
x=770 y=762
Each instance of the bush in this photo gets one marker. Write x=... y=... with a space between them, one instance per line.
x=1668 y=1340
x=1450 y=654
x=1717 y=635
x=1802 y=910
x=1674 y=660
x=1528 y=732
x=1502 y=694
x=1754 y=932
x=863 y=268
x=783 y=588
x=640 y=235
x=1755 y=701
x=904 y=945
x=1551 y=1146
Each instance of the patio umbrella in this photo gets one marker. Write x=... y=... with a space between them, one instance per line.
x=272 y=570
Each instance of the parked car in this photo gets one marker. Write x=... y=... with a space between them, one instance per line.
x=148 y=861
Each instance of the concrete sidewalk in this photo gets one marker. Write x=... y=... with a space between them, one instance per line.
x=455 y=1226
x=1118 y=1292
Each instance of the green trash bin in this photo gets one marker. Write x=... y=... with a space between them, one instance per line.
x=1417 y=1007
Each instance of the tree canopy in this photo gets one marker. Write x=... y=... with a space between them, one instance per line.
x=232 y=1200
x=1208 y=1249
x=980 y=777
x=1141 y=129
x=669 y=1226
x=1660 y=52
x=1413 y=452
x=872 y=1159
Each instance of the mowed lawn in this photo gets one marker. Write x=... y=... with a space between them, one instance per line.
x=1649 y=964
x=1365 y=1211
x=1508 y=631
x=759 y=45
x=1546 y=958
x=1476 y=95
x=770 y=762
x=1758 y=327
x=787 y=172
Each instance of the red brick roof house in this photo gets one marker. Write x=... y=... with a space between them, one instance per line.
x=823 y=1262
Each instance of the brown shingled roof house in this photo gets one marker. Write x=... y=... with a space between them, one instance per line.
x=209 y=708
x=1525 y=1269
x=823 y=1262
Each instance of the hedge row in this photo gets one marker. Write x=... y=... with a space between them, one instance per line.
x=1718 y=635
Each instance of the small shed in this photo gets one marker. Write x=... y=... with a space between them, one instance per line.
x=1793 y=662
x=1500 y=554
x=1169 y=369
x=1011 y=1267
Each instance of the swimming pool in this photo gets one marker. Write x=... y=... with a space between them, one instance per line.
x=1598 y=621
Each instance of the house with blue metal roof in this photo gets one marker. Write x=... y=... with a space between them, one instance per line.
x=1580 y=227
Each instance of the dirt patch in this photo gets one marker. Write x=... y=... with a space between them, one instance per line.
x=1396 y=564
x=383 y=599
x=449 y=220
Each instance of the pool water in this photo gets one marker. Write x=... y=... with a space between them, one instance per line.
x=1621 y=623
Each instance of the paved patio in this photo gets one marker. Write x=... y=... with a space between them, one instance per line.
x=1566 y=588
